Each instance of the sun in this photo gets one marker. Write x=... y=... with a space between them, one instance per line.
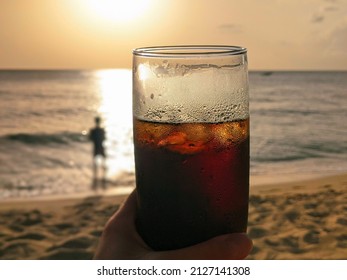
x=117 y=10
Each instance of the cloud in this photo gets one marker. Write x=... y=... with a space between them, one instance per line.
x=324 y=10
x=338 y=38
x=317 y=18
x=331 y=9
x=230 y=28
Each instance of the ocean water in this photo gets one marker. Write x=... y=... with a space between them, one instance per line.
x=298 y=126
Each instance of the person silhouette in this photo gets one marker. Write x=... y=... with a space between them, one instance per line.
x=97 y=135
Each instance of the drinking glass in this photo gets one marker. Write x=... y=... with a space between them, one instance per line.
x=191 y=143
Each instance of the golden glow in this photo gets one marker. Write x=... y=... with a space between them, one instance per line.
x=117 y=10
x=115 y=89
x=116 y=112
x=144 y=72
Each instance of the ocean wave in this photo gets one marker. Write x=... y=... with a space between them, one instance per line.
x=285 y=113
x=299 y=151
x=327 y=147
x=46 y=139
x=283 y=157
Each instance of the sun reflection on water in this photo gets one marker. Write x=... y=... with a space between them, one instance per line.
x=115 y=87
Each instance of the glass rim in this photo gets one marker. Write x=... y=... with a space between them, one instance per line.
x=189 y=51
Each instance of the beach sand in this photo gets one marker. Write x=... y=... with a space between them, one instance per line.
x=304 y=219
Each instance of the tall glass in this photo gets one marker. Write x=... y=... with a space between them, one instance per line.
x=191 y=141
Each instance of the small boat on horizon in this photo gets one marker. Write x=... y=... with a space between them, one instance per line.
x=267 y=73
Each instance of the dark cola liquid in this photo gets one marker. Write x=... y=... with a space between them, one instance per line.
x=192 y=181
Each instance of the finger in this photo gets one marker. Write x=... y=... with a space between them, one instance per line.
x=127 y=211
x=120 y=239
x=123 y=220
x=227 y=247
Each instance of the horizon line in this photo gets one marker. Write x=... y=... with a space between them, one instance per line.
x=124 y=68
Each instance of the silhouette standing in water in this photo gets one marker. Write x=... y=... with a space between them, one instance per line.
x=97 y=136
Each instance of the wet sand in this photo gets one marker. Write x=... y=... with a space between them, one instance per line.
x=304 y=219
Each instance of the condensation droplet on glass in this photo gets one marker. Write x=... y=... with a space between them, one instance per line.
x=165 y=63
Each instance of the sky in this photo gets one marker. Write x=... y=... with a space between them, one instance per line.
x=97 y=34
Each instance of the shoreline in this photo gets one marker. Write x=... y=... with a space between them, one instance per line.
x=301 y=219
x=121 y=191
x=258 y=184
x=267 y=184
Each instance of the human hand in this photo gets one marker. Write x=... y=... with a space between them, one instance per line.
x=120 y=240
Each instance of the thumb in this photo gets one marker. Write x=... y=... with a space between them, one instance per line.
x=224 y=247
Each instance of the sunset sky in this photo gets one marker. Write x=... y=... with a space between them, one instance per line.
x=79 y=34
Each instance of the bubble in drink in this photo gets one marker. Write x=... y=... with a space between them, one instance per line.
x=192 y=181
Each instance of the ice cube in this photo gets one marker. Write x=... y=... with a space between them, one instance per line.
x=230 y=133
x=151 y=132
x=174 y=138
x=178 y=142
x=197 y=132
